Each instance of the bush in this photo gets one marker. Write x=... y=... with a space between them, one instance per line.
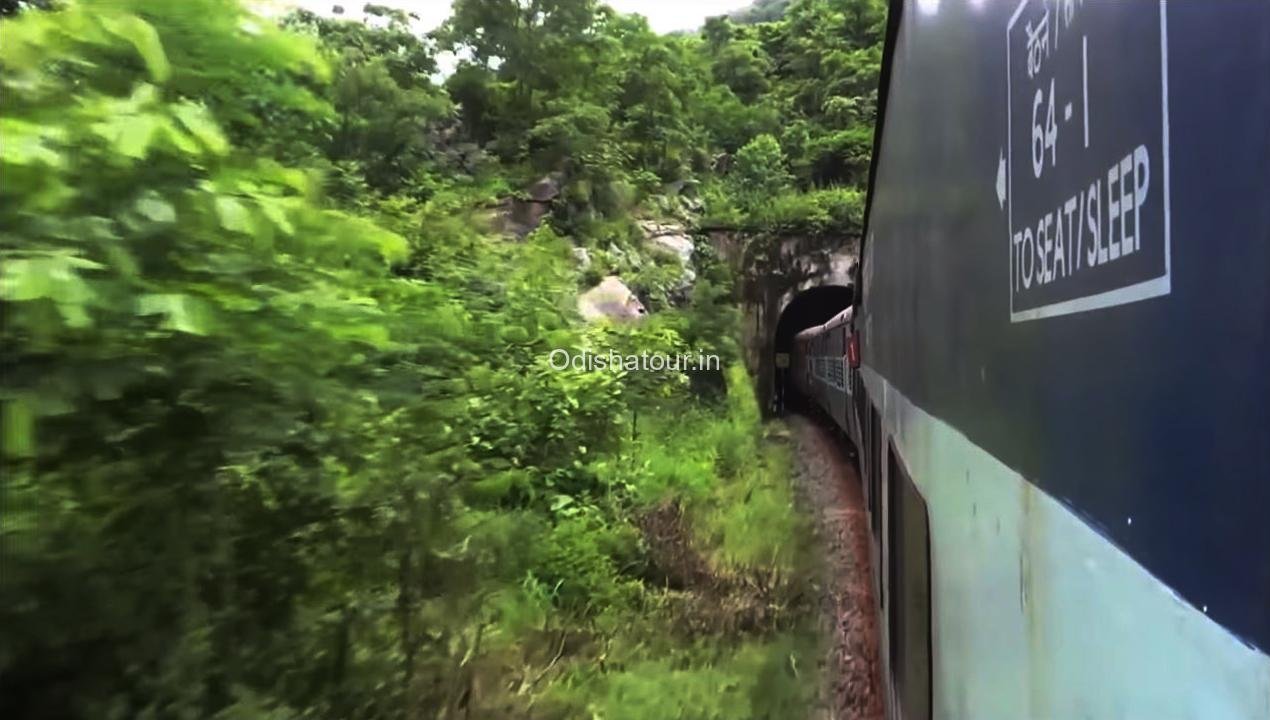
x=829 y=210
x=579 y=561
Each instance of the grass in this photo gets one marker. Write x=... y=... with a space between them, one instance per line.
x=737 y=641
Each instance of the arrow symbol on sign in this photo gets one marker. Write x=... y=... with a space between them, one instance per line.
x=1001 y=180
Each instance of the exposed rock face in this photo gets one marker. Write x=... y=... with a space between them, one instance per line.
x=610 y=299
x=675 y=240
x=519 y=217
x=669 y=237
x=583 y=257
x=722 y=163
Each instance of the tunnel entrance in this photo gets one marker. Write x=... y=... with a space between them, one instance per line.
x=812 y=306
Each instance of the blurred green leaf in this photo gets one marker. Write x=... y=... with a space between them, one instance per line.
x=19 y=428
x=144 y=38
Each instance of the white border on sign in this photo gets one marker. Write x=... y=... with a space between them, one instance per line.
x=1154 y=287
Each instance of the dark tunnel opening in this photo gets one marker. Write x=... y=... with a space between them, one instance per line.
x=812 y=306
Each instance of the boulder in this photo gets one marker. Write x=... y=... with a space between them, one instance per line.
x=611 y=299
x=669 y=237
x=519 y=217
x=583 y=257
x=546 y=189
x=678 y=245
x=513 y=216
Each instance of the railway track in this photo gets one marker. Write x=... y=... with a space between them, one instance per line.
x=829 y=486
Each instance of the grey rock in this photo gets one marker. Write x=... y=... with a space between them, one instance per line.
x=669 y=237
x=519 y=217
x=512 y=216
x=672 y=238
x=611 y=299
x=678 y=245
x=546 y=189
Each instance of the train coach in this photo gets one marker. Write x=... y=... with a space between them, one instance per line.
x=820 y=369
x=1057 y=365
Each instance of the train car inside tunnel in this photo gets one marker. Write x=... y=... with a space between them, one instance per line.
x=810 y=307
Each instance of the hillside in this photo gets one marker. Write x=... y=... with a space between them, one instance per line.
x=760 y=11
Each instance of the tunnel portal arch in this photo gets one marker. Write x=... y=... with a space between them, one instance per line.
x=810 y=307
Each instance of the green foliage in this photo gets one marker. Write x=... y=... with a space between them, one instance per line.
x=673 y=463
x=744 y=67
x=387 y=115
x=655 y=689
x=830 y=210
x=760 y=169
x=754 y=681
x=581 y=561
x=759 y=498
x=200 y=388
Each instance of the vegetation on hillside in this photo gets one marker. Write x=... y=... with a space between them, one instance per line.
x=280 y=435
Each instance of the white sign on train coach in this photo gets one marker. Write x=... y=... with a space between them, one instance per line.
x=1087 y=157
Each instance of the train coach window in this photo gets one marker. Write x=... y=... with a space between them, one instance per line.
x=908 y=561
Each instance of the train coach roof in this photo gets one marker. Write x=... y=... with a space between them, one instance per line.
x=838 y=320
x=810 y=332
x=841 y=318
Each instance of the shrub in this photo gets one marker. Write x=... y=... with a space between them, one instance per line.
x=577 y=560
x=829 y=210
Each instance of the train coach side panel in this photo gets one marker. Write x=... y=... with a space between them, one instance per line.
x=1066 y=321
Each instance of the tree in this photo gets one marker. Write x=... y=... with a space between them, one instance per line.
x=194 y=425
x=761 y=168
x=530 y=44
x=388 y=115
x=743 y=66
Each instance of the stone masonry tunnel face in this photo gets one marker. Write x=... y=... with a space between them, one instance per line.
x=812 y=306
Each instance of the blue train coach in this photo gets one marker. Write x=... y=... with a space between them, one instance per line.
x=1060 y=387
